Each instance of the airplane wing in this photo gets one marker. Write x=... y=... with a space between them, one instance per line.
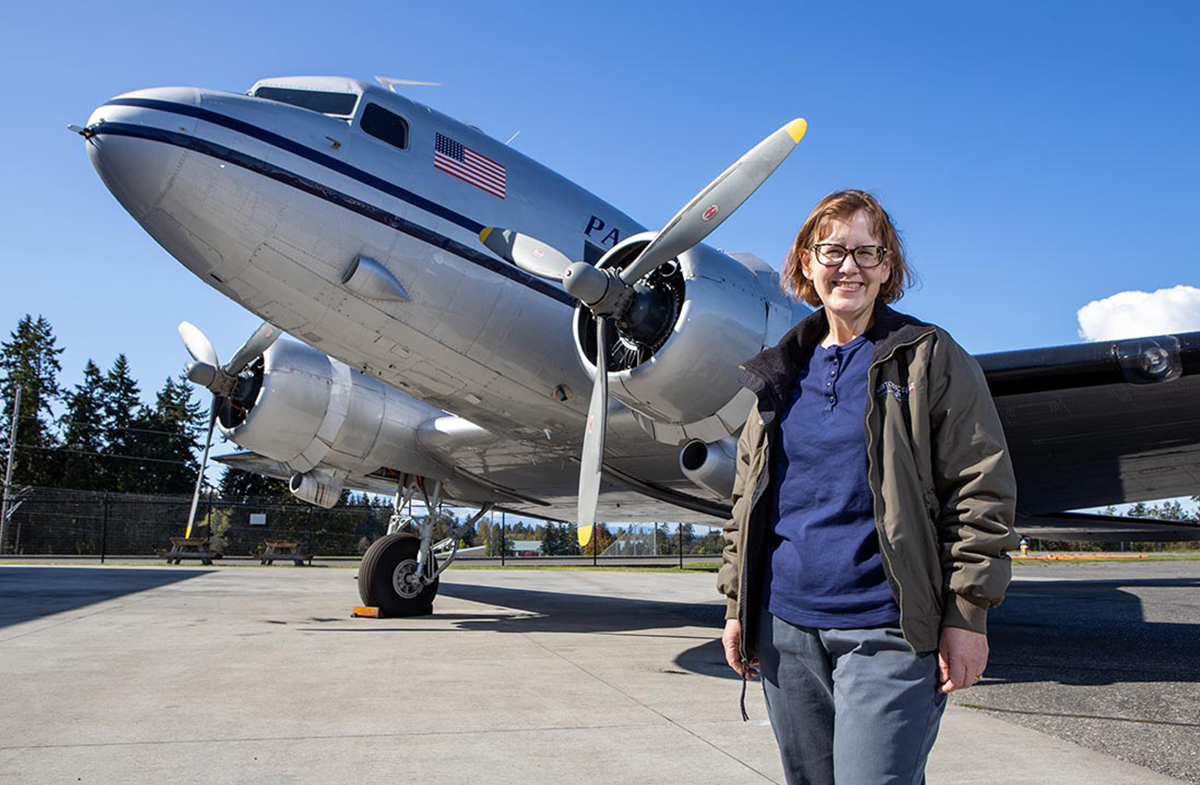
x=1097 y=424
x=1088 y=425
x=257 y=464
x=1087 y=527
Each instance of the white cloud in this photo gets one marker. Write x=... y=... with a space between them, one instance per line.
x=1134 y=314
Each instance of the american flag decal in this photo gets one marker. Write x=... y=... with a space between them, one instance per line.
x=464 y=163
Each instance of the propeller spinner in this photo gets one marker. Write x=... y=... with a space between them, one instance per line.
x=609 y=293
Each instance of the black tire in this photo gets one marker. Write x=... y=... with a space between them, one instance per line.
x=376 y=576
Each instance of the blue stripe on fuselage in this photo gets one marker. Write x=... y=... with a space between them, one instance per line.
x=320 y=190
x=291 y=146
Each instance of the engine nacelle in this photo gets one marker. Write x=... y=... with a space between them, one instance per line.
x=311 y=410
x=707 y=313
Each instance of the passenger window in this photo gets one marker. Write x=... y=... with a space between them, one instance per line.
x=382 y=124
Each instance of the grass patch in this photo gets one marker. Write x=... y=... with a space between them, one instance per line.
x=1110 y=558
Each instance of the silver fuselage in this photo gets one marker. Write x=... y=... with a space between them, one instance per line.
x=271 y=204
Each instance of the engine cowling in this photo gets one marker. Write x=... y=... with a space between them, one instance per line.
x=675 y=360
x=308 y=410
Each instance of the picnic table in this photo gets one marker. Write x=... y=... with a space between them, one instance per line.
x=283 y=549
x=190 y=548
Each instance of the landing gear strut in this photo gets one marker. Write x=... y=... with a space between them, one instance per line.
x=399 y=572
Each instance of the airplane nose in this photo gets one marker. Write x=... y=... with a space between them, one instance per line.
x=134 y=147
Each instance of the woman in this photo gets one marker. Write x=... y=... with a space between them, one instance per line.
x=860 y=562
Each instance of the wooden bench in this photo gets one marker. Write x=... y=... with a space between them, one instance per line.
x=283 y=549
x=190 y=548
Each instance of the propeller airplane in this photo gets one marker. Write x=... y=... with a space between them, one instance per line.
x=448 y=299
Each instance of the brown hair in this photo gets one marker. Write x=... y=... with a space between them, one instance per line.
x=840 y=206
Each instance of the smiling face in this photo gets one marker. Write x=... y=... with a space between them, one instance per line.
x=847 y=291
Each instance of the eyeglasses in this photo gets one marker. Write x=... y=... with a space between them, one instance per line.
x=832 y=254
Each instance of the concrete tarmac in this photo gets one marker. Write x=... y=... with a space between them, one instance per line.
x=242 y=674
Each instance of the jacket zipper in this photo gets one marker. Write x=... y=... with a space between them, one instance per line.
x=884 y=545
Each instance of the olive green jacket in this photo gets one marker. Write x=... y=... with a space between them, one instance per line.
x=938 y=468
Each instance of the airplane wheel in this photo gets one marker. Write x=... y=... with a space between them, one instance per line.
x=385 y=577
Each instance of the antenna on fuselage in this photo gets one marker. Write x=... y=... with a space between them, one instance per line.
x=514 y=136
x=391 y=83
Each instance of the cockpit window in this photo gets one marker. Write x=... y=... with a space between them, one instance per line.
x=340 y=104
x=382 y=124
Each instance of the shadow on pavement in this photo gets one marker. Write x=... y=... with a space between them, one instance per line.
x=28 y=593
x=1092 y=632
x=562 y=612
x=1082 y=632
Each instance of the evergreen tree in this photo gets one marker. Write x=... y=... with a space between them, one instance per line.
x=551 y=540
x=687 y=537
x=444 y=525
x=483 y=534
x=560 y=539
x=122 y=406
x=465 y=531
x=83 y=433
x=668 y=541
x=167 y=440
x=712 y=542
x=29 y=360
x=570 y=540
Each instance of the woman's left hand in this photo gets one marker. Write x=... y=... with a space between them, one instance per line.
x=962 y=656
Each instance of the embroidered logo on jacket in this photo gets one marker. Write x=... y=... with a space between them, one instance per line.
x=896 y=391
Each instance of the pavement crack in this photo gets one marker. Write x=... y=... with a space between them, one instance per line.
x=321 y=737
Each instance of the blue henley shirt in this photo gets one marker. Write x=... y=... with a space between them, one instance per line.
x=824 y=568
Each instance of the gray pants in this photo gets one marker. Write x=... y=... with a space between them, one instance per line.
x=852 y=707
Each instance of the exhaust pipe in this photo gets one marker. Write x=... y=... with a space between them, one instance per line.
x=319 y=486
x=710 y=466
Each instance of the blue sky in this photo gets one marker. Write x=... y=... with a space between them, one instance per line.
x=1037 y=156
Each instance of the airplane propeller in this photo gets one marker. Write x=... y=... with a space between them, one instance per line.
x=610 y=294
x=531 y=255
x=221 y=380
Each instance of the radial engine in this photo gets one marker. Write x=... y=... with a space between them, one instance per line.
x=325 y=420
x=674 y=356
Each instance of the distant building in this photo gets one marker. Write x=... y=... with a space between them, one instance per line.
x=526 y=547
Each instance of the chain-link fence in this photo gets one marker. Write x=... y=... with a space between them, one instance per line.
x=60 y=522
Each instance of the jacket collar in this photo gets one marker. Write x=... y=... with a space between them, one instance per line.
x=771 y=373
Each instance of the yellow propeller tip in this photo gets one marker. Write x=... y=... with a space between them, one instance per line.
x=484 y=234
x=585 y=535
x=796 y=129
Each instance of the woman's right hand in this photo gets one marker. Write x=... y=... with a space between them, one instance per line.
x=731 y=638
